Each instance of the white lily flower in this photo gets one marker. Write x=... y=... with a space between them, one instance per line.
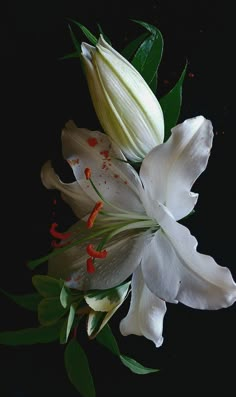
x=138 y=225
x=118 y=92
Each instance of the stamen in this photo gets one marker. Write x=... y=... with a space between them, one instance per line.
x=87 y=172
x=90 y=265
x=56 y=234
x=94 y=253
x=94 y=213
x=55 y=244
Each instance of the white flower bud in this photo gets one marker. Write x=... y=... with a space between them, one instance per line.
x=126 y=107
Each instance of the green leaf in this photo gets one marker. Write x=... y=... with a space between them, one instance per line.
x=67 y=325
x=30 y=336
x=148 y=56
x=47 y=286
x=75 y=54
x=50 y=310
x=171 y=105
x=70 y=321
x=95 y=323
x=74 y=40
x=65 y=296
x=29 y=301
x=104 y=304
x=132 y=47
x=136 y=367
x=78 y=370
x=153 y=83
x=107 y=339
x=107 y=300
x=93 y=40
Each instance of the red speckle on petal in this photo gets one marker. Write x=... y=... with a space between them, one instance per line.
x=125 y=182
x=116 y=176
x=92 y=141
x=105 y=153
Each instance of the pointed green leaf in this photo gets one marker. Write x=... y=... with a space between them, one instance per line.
x=78 y=370
x=148 y=56
x=50 y=310
x=107 y=339
x=47 y=286
x=171 y=105
x=93 y=40
x=31 y=336
x=65 y=296
x=94 y=323
x=70 y=321
x=63 y=338
x=136 y=367
x=132 y=47
x=29 y=301
x=74 y=40
x=153 y=83
x=75 y=54
x=152 y=29
x=67 y=325
x=106 y=300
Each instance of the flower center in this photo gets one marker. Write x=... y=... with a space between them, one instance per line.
x=102 y=224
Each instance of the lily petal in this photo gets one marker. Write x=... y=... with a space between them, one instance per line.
x=146 y=312
x=72 y=193
x=115 y=179
x=175 y=271
x=169 y=170
x=124 y=255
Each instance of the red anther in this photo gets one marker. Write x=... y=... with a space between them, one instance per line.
x=55 y=244
x=54 y=202
x=90 y=265
x=87 y=173
x=96 y=254
x=98 y=206
x=92 y=141
x=191 y=75
x=56 y=234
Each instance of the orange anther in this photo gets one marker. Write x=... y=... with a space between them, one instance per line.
x=56 y=234
x=90 y=265
x=96 y=254
x=87 y=172
x=98 y=206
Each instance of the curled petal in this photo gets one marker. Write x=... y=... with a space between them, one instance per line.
x=175 y=271
x=169 y=170
x=146 y=312
x=72 y=193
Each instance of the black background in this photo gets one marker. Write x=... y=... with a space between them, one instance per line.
x=39 y=94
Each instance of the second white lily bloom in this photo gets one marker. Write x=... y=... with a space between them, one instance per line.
x=138 y=225
x=126 y=107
